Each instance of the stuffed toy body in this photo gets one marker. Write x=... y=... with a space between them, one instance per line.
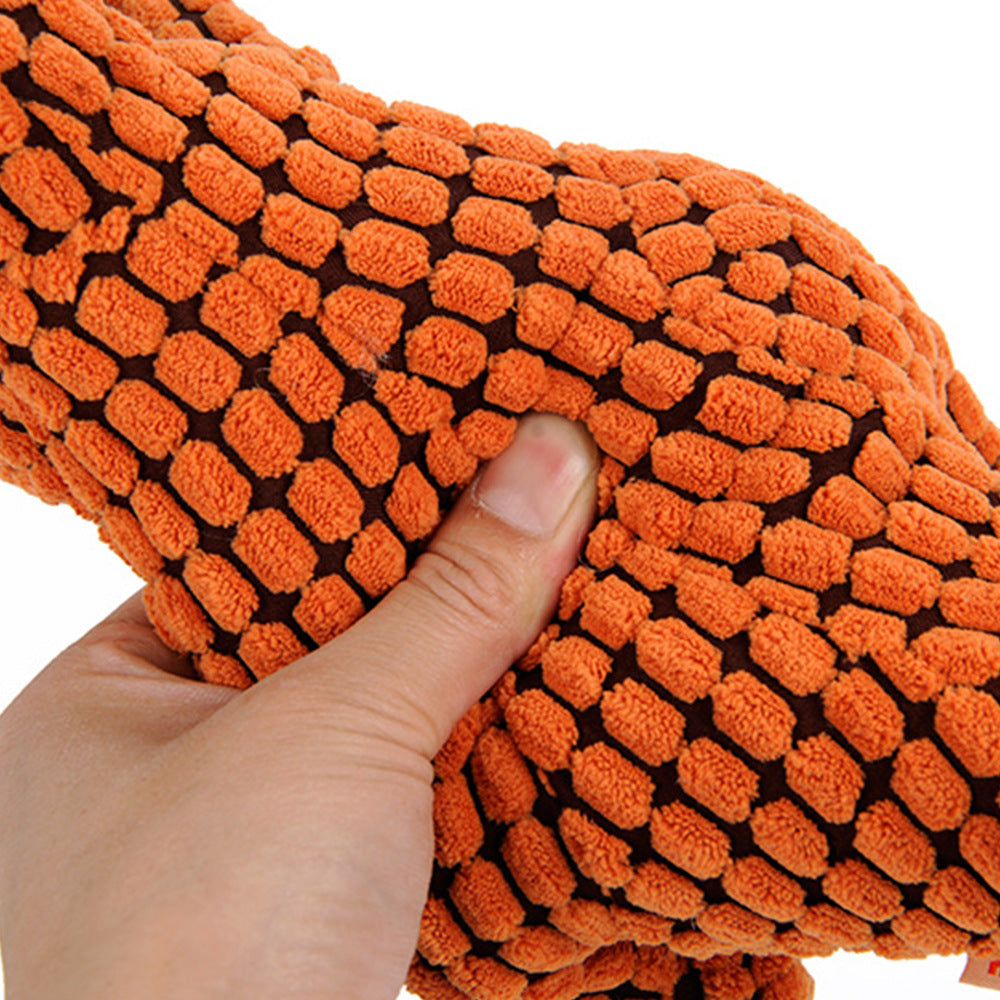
x=261 y=327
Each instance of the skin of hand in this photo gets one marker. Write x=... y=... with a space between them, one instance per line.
x=165 y=837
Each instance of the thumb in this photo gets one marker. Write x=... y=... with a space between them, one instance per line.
x=473 y=601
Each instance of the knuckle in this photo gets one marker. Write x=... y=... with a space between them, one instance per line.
x=476 y=591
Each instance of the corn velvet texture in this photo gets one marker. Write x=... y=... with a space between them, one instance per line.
x=261 y=327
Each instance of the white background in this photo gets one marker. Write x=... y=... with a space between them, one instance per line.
x=882 y=116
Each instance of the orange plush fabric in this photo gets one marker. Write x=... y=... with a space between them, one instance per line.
x=261 y=328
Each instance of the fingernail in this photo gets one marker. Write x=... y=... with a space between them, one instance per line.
x=532 y=483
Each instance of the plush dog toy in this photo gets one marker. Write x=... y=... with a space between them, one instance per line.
x=262 y=327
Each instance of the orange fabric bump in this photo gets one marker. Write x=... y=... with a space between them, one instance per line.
x=842 y=504
x=274 y=550
x=948 y=495
x=971 y=603
x=592 y=341
x=366 y=443
x=458 y=831
x=646 y=724
x=485 y=434
x=446 y=350
x=412 y=404
x=893 y=844
x=574 y=669
x=361 y=324
x=261 y=433
x=327 y=607
x=918 y=529
x=813 y=426
x=758 y=275
x=783 y=598
x=385 y=252
x=657 y=375
x=67 y=73
x=543 y=729
x=322 y=176
x=178 y=621
x=571 y=253
x=592 y=202
x=753 y=715
x=145 y=126
x=625 y=282
x=805 y=554
x=502 y=177
x=929 y=786
x=858 y=889
x=537 y=864
x=326 y=500
x=254 y=139
x=694 y=462
x=768 y=474
x=298 y=230
x=613 y=610
x=153 y=423
x=825 y=775
x=782 y=831
x=200 y=372
x=40 y=184
x=889 y=579
x=494 y=225
x=262 y=89
x=169 y=528
x=207 y=481
x=717 y=779
x=171 y=264
x=856 y=705
x=267 y=647
x=485 y=901
x=880 y=466
x=80 y=368
x=821 y=296
x=377 y=560
x=406 y=194
x=242 y=313
x=109 y=459
x=653 y=203
x=849 y=395
x=659 y=889
x=220 y=589
x=742 y=410
x=793 y=654
x=222 y=184
x=958 y=897
x=413 y=504
x=600 y=856
x=309 y=381
x=515 y=381
x=122 y=532
x=656 y=514
x=413 y=147
x=472 y=285
x=727 y=529
x=621 y=430
x=689 y=840
x=677 y=657
x=127 y=321
x=606 y=780
x=677 y=251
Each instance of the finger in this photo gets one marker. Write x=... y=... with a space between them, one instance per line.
x=128 y=630
x=473 y=601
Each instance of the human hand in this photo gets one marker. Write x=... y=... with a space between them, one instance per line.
x=165 y=837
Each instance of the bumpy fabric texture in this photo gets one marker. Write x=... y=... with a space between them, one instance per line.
x=262 y=327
